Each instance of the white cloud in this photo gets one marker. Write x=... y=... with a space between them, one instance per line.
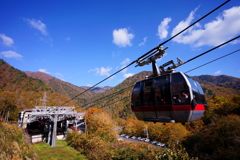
x=122 y=38
x=47 y=40
x=126 y=75
x=223 y=28
x=11 y=54
x=44 y=71
x=163 y=28
x=59 y=74
x=235 y=41
x=124 y=64
x=89 y=85
x=37 y=24
x=62 y=79
x=144 y=41
x=102 y=71
x=217 y=72
x=7 y=41
x=182 y=25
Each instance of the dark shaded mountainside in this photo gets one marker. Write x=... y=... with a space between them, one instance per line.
x=66 y=89
x=18 y=91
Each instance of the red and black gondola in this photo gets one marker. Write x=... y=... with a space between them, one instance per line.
x=168 y=96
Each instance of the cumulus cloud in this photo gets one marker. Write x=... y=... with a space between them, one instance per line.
x=126 y=75
x=144 y=41
x=11 y=54
x=44 y=71
x=7 y=41
x=217 y=72
x=122 y=38
x=37 y=24
x=163 y=28
x=223 y=28
x=102 y=71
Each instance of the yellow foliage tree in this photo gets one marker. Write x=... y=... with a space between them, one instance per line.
x=100 y=124
x=176 y=132
x=135 y=127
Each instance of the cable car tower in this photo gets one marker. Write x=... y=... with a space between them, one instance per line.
x=48 y=119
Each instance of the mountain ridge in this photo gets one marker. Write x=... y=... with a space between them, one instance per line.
x=18 y=91
x=67 y=89
x=115 y=100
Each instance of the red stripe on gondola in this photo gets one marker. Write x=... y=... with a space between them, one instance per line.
x=199 y=107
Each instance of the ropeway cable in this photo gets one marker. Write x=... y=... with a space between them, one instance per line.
x=185 y=72
x=212 y=49
x=148 y=52
x=112 y=95
x=213 y=60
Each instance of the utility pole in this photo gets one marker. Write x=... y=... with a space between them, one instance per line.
x=147 y=135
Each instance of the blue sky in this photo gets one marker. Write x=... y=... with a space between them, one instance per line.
x=82 y=42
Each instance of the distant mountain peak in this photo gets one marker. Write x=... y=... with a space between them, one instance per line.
x=39 y=75
x=98 y=89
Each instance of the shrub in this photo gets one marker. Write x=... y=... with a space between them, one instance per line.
x=14 y=144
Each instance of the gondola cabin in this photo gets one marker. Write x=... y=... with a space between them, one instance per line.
x=173 y=97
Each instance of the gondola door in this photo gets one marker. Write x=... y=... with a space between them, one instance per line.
x=163 y=99
x=148 y=101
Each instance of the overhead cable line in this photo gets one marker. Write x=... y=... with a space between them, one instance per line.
x=212 y=49
x=112 y=95
x=185 y=72
x=213 y=60
x=98 y=83
x=140 y=58
x=181 y=32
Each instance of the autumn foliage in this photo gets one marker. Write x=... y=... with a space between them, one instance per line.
x=100 y=124
x=14 y=145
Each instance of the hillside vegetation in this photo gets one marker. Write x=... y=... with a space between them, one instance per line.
x=64 y=88
x=215 y=136
x=18 y=91
x=14 y=144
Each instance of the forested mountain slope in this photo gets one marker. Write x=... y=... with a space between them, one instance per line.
x=98 y=89
x=26 y=91
x=18 y=91
x=62 y=87
x=221 y=81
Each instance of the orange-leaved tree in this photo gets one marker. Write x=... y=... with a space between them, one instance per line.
x=100 y=124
